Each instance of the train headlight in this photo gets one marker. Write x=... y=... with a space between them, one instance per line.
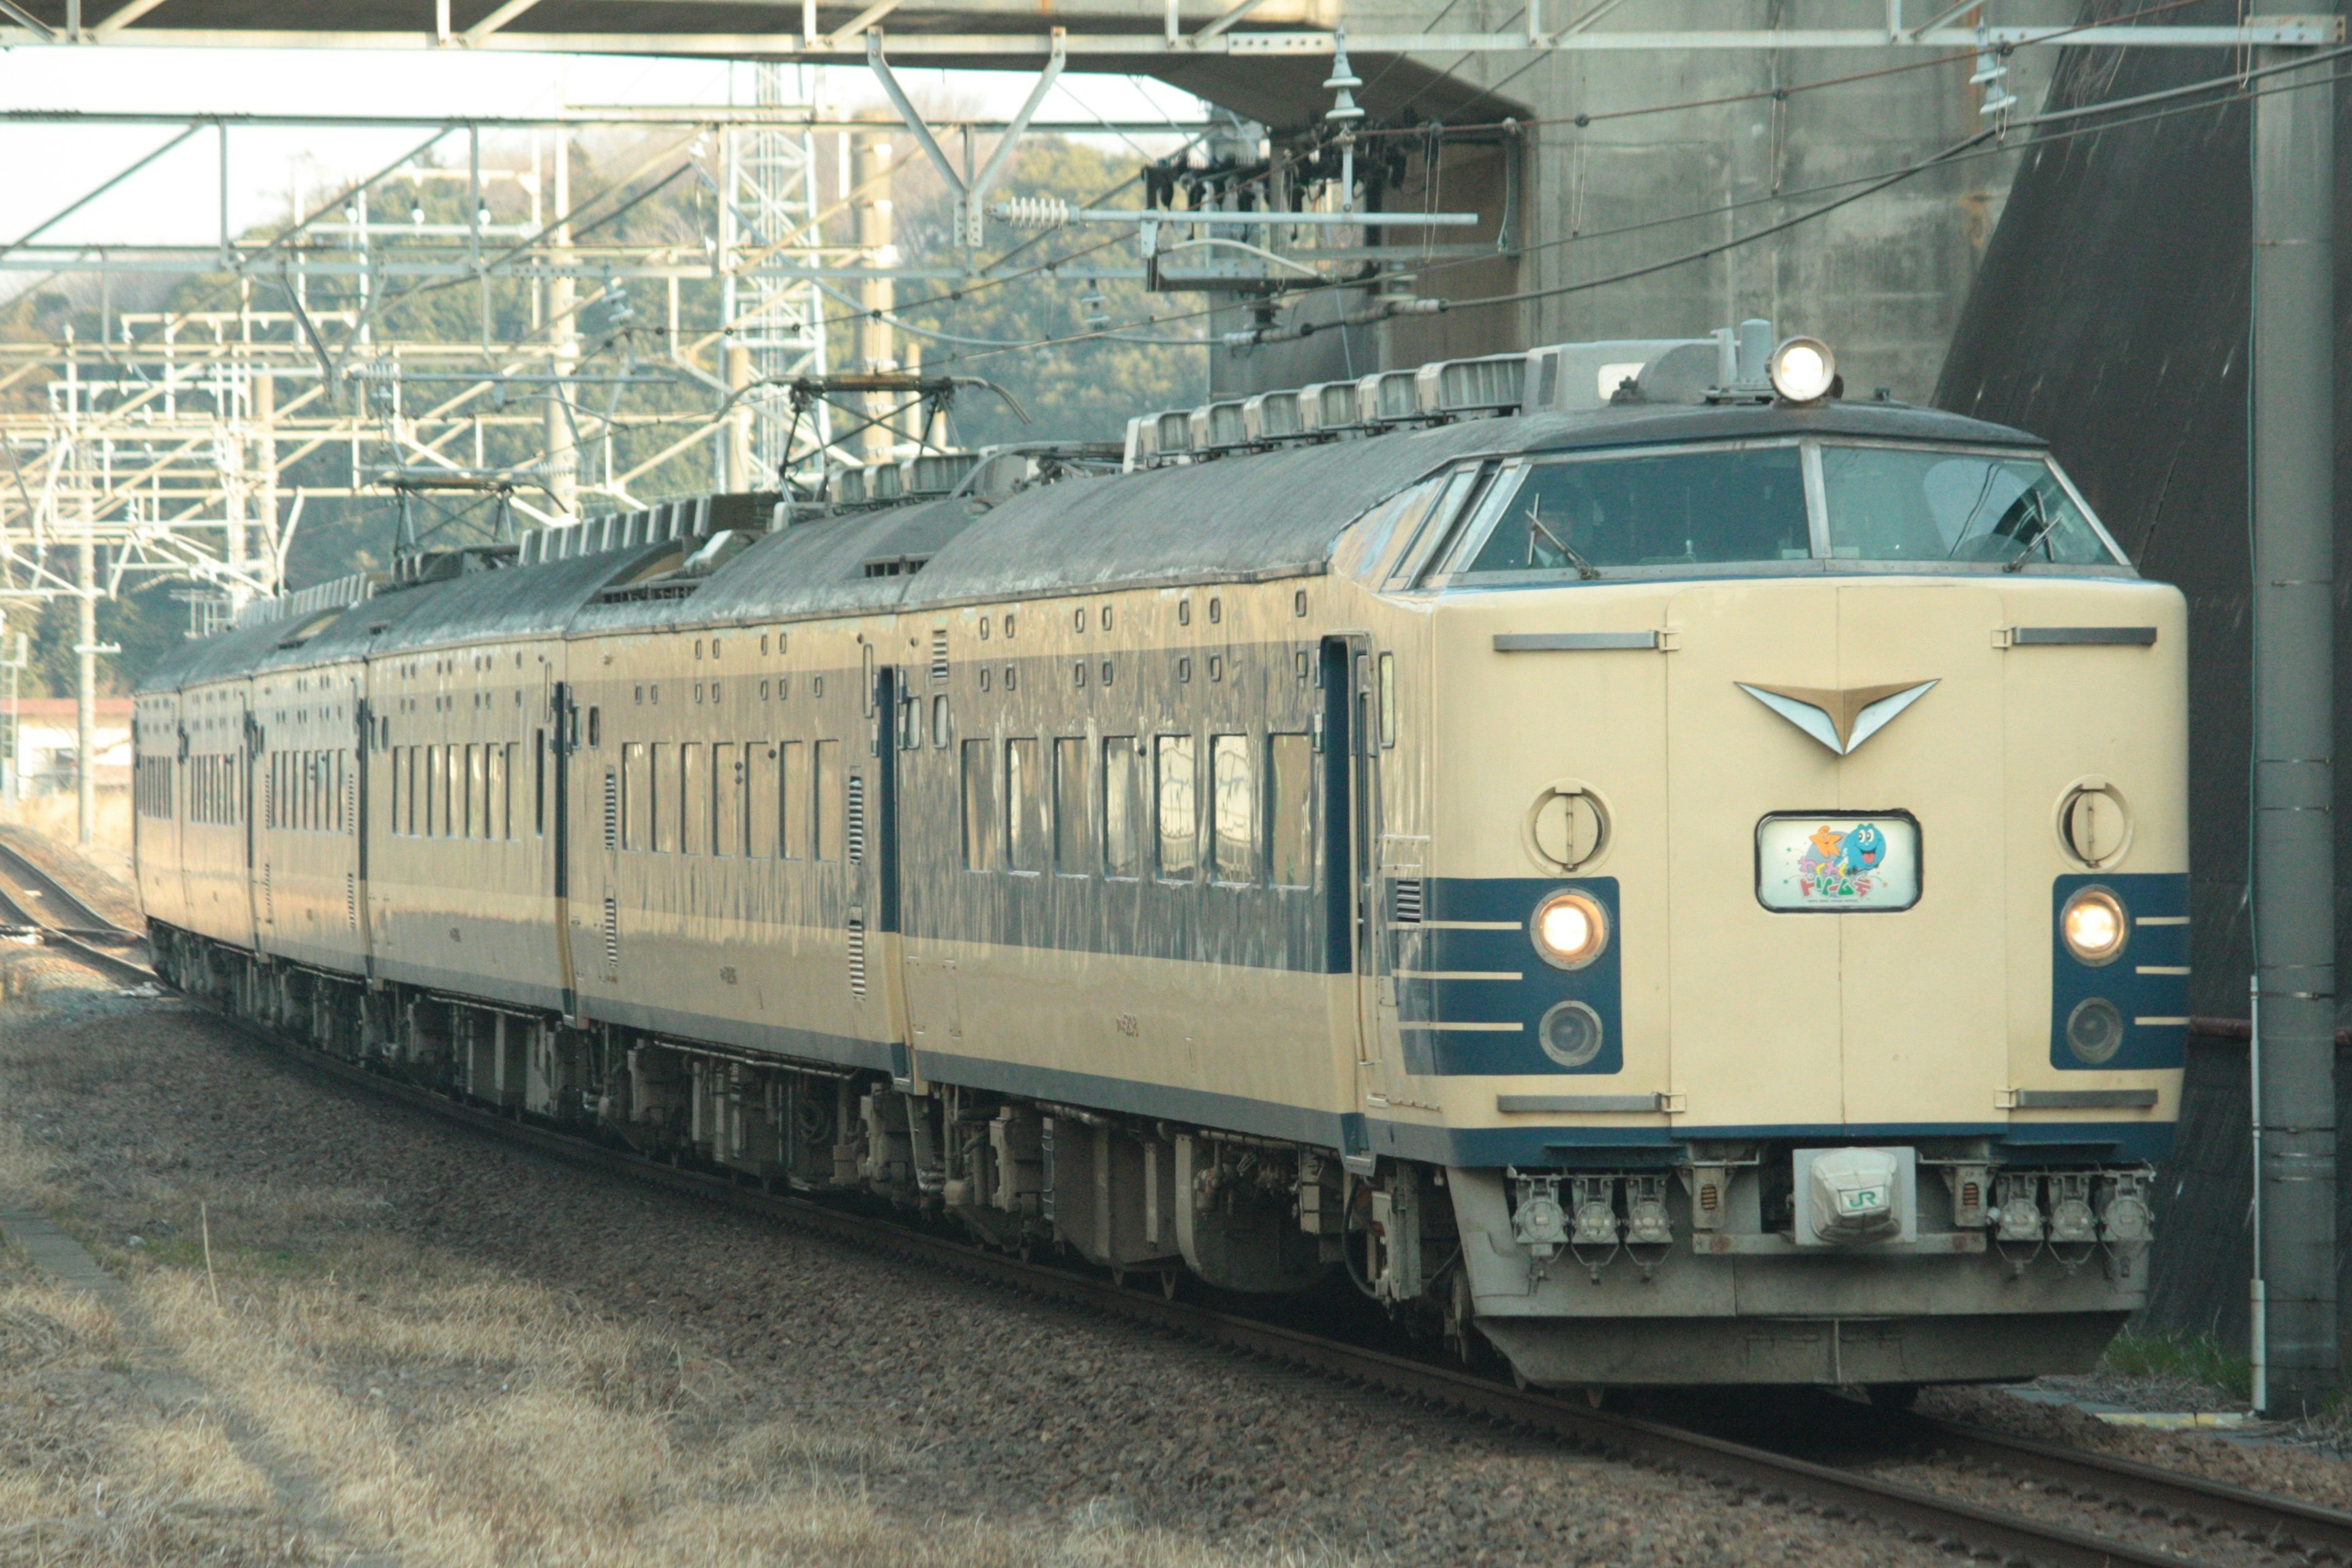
x=2094 y=926
x=1803 y=370
x=1570 y=1034
x=2095 y=1030
x=1570 y=930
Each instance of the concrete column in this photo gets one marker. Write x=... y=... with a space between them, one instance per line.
x=738 y=437
x=261 y=538
x=871 y=208
x=2292 y=476
x=563 y=332
x=86 y=685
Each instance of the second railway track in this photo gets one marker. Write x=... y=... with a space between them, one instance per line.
x=31 y=899
x=2209 y=1510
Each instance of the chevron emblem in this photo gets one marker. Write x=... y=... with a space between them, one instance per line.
x=1842 y=721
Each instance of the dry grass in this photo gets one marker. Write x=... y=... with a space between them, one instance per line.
x=431 y=1411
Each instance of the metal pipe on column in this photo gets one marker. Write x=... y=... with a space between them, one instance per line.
x=2292 y=479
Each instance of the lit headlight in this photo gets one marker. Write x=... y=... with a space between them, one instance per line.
x=1570 y=931
x=1803 y=370
x=2094 y=926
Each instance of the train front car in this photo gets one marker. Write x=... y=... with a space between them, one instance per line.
x=1789 y=965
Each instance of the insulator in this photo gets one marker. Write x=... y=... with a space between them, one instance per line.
x=1035 y=212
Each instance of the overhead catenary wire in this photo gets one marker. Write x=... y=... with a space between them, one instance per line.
x=1968 y=149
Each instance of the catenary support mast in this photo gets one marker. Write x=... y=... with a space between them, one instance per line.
x=2292 y=459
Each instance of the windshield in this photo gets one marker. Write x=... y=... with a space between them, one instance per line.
x=1887 y=503
x=1671 y=509
x=1585 y=517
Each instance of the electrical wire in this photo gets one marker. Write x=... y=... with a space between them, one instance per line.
x=1966 y=150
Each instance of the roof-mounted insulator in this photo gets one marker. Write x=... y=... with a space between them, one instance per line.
x=1035 y=212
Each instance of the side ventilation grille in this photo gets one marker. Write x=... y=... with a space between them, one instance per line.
x=352 y=898
x=612 y=809
x=857 y=958
x=853 y=801
x=611 y=937
x=1409 y=895
x=939 y=657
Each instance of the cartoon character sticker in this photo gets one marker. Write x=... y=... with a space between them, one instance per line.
x=1838 y=862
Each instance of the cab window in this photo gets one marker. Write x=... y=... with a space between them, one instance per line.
x=1582 y=516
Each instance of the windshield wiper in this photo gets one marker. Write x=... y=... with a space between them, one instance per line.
x=1584 y=568
x=2032 y=530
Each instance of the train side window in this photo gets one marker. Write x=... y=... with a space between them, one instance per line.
x=1388 y=700
x=761 y=806
x=634 y=767
x=980 y=814
x=658 y=807
x=1122 y=806
x=1290 y=812
x=596 y=726
x=1464 y=489
x=793 y=800
x=694 y=800
x=408 y=766
x=1071 y=798
x=1024 y=807
x=1177 y=801
x=494 y=794
x=1233 y=804
x=453 y=793
x=727 y=783
x=477 y=794
x=827 y=803
x=399 y=796
x=432 y=789
x=939 y=729
x=513 y=750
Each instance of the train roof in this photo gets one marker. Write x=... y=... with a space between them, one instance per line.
x=1236 y=518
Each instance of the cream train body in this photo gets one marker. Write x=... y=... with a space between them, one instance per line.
x=1595 y=878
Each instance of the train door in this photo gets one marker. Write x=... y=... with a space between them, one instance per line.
x=1348 y=819
x=253 y=788
x=363 y=810
x=878 y=949
x=562 y=725
x=1387 y=870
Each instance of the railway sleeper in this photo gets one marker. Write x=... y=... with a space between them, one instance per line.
x=1128 y=1194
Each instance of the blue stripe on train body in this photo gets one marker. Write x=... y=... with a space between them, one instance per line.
x=1431 y=947
x=2125 y=981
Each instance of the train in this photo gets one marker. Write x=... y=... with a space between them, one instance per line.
x=1644 y=866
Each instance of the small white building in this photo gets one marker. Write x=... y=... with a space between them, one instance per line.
x=38 y=748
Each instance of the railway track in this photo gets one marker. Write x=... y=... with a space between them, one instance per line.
x=2213 y=1511
x=2216 y=1513
x=33 y=900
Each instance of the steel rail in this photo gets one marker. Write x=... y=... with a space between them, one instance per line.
x=2265 y=1516
x=75 y=916
x=1920 y=1514
x=73 y=942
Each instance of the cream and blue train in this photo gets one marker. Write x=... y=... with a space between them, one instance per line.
x=1627 y=856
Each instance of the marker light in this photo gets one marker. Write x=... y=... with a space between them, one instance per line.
x=1803 y=370
x=2094 y=926
x=1570 y=931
